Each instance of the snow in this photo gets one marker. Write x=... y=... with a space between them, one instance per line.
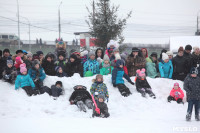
x=23 y=114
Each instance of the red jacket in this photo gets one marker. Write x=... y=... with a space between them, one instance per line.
x=17 y=64
x=174 y=93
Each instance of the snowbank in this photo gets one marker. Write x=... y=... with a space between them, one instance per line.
x=20 y=113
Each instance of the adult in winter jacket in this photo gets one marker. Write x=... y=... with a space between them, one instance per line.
x=48 y=65
x=98 y=87
x=41 y=56
x=19 y=53
x=105 y=66
x=165 y=67
x=192 y=88
x=135 y=61
x=25 y=82
x=170 y=54
x=10 y=73
x=117 y=79
x=195 y=61
x=61 y=48
x=142 y=84
x=110 y=47
x=38 y=75
x=74 y=66
x=81 y=97
x=176 y=94
x=91 y=66
x=179 y=66
x=102 y=108
x=152 y=66
x=187 y=54
x=144 y=53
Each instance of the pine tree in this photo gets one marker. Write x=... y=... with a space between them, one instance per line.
x=104 y=23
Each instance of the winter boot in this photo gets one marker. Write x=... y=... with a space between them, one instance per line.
x=89 y=103
x=188 y=117
x=81 y=106
x=197 y=118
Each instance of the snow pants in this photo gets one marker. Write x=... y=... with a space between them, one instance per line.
x=123 y=90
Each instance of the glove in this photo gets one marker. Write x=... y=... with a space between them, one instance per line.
x=71 y=102
x=131 y=83
x=114 y=85
x=97 y=110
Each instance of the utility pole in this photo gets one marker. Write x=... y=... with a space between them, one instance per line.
x=59 y=26
x=18 y=25
x=198 y=32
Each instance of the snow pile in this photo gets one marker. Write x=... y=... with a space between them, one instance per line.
x=20 y=113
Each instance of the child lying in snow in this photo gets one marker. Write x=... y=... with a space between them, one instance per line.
x=142 y=84
x=102 y=110
x=81 y=97
x=176 y=94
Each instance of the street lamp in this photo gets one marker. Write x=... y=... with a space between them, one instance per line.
x=18 y=25
x=29 y=27
x=59 y=26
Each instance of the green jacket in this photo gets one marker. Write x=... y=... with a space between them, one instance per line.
x=106 y=70
x=151 y=70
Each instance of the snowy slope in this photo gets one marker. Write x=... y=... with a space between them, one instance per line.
x=20 y=113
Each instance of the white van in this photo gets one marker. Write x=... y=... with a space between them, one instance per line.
x=9 y=39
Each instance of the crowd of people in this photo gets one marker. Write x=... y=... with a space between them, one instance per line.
x=28 y=71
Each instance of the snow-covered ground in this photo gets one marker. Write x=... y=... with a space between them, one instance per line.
x=41 y=114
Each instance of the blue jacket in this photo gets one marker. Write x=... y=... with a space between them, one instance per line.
x=118 y=74
x=24 y=80
x=166 y=69
x=33 y=73
x=91 y=65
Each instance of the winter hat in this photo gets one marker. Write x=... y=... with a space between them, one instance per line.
x=19 y=51
x=113 y=43
x=23 y=68
x=123 y=56
x=106 y=58
x=0 y=53
x=117 y=56
x=101 y=96
x=24 y=52
x=141 y=73
x=165 y=56
x=99 y=76
x=176 y=84
x=6 y=50
x=119 y=62
x=196 y=47
x=35 y=62
x=39 y=53
x=18 y=59
x=134 y=49
x=29 y=55
x=188 y=47
x=91 y=53
x=180 y=49
x=115 y=50
x=9 y=61
x=57 y=68
x=85 y=52
x=154 y=54
x=59 y=82
x=193 y=70
x=169 y=53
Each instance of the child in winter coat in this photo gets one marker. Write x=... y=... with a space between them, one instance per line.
x=192 y=88
x=61 y=61
x=142 y=84
x=48 y=65
x=102 y=110
x=91 y=67
x=38 y=75
x=60 y=72
x=117 y=79
x=81 y=97
x=28 y=61
x=165 y=67
x=25 y=82
x=98 y=87
x=105 y=66
x=176 y=94
x=10 y=73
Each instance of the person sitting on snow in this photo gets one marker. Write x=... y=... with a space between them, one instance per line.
x=81 y=97
x=61 y=61
x=9 y=73
x=60 y=72
x=38 y=75
x=117 y=79
x=105 y=66
x=102 y=110
x=98 y=87
x=176 y=94
x=91 y=66
x=142 y=84
x=48 y=65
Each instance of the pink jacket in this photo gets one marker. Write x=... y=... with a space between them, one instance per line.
x=174 y=93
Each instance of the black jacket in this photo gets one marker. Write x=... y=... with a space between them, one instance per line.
x=28 y=64
x=80 y=95
x=142 y=83
x=102 y=106
x=195 y=60
x=49 y=67
x=188 y=57
x=75 y=67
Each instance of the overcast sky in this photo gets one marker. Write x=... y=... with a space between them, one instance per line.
x=152 y=21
